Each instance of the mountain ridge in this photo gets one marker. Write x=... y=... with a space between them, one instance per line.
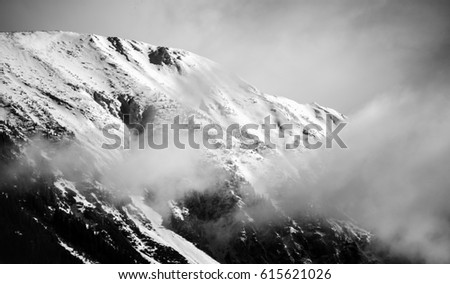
x=60 y=89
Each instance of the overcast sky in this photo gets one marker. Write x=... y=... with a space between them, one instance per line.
x=338 y=53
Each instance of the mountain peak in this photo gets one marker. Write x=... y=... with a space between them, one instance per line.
x=60 y=90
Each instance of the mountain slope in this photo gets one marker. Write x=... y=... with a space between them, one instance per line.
x=59 y=90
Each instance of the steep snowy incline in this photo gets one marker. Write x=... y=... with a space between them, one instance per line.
x=83 y=82
x=58 y=90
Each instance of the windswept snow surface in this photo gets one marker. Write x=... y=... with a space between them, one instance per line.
x=169 y=238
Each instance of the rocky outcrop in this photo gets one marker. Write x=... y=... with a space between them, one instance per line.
x=163 y=56
x=235 y=225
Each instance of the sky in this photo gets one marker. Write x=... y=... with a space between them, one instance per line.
x=340 y=54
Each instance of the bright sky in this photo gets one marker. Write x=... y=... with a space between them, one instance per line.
x=338 y=53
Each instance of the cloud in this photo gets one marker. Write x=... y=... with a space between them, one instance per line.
x=393 y=179
x=167 y=173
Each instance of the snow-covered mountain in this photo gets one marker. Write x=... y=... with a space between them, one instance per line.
x=64 y=198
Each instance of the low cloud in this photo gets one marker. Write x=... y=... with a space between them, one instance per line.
x=393 y=179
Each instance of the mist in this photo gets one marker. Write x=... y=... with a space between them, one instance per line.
x=392 y=180
x=167 y=174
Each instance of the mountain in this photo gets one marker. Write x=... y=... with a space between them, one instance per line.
x=65 y=198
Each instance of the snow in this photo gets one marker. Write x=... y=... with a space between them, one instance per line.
x=177 y=211
x=64 y=185
x=167 y=237
x=3 y=114
x=74 y=252
x=51 y=79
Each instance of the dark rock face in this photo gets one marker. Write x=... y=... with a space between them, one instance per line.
x=162 y=56
x=8 y=147
x=235 y=225
x=118 y=46
x=129 y=110
x=39 y=218
x=134 y=115
x=107 y=103
x=33 y=225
